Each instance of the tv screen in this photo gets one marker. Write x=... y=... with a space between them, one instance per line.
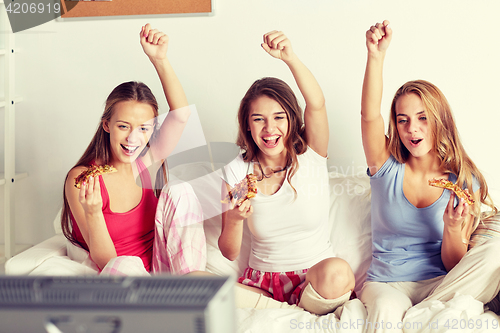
x=164 y=304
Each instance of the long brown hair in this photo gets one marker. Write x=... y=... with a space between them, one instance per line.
x=99 y=149
x=295 y=143
x=446 y=138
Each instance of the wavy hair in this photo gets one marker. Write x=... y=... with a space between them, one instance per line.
x=99 y=149
x=295 y=143
x=446 y=139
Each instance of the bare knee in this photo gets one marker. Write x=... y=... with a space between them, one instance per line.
x=331 y=278
x=377 y=296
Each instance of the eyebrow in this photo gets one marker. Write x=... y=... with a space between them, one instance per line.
x=260 y=115
x=405 y=115
x=126 y=122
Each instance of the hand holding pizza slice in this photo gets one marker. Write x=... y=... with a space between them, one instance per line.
x=246 y=189
x=446 y=184
x=93 y=171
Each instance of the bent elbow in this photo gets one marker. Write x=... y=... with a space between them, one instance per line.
x=229 y=254
x=232 y=257
x=322 y=103
x=369 y=116
x=101 y=262
x=182 y=114
x=318 y=105
x=364 y=116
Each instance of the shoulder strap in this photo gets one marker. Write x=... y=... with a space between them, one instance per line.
x=144 y=174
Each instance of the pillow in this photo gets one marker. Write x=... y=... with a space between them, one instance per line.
x=487 y=229
x=76 y=253
x=350 y=220
x=216 y=262
x=57 y=222
x=207 y=186
x=62 y=266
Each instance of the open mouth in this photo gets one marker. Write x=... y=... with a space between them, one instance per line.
x=271 y=141
x=129 y=150
x=415 y=142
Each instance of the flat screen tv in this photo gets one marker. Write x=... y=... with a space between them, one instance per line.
x=164 y=304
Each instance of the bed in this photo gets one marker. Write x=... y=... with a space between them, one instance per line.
x=351 y=239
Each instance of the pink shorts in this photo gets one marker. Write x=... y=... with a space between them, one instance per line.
x=283 y=286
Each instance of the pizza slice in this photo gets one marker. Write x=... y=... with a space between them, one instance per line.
x=94 y=171
x=246 y=189
x=446 y=184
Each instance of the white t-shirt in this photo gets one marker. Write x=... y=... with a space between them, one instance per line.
x=289 y=234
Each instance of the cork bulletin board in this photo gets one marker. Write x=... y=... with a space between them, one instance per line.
x=82 y=9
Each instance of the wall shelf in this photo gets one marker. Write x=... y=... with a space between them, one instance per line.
x=17 y=100
x=17 y=176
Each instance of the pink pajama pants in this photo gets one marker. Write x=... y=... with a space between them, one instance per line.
x=179 y=244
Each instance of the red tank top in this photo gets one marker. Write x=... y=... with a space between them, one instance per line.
x=132 y=232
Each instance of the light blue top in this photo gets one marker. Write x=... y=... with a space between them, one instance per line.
x=406 y=240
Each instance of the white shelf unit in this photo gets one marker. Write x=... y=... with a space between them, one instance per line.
x=8 y=103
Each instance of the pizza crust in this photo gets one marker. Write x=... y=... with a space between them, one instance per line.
x=446 y=184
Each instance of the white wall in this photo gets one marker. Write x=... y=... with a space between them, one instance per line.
x=66 y=70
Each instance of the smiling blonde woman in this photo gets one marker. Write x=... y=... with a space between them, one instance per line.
x=420 y=233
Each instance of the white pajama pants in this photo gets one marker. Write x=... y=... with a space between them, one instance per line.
x=179 y=243
x=477 y=275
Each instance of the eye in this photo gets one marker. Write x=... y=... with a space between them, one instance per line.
x=279 y=118
x=402 y=121
x=144 y=129
x=258 y=119
x=423 y=118
x=124 y=127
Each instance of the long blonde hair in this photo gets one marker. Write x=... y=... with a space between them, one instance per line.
x=446 y=138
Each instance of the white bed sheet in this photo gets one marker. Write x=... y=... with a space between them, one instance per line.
x=460 y=314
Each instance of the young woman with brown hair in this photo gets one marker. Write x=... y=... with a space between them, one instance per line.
x=110 y=215
x=291 y=259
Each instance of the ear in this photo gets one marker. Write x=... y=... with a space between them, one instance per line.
x=105 y=126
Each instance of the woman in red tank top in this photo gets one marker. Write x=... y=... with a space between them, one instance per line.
x=110 y=215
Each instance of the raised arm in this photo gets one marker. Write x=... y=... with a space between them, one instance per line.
x=315 y=117
x=378 y=38
x=86 y=206
x=155 y=45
